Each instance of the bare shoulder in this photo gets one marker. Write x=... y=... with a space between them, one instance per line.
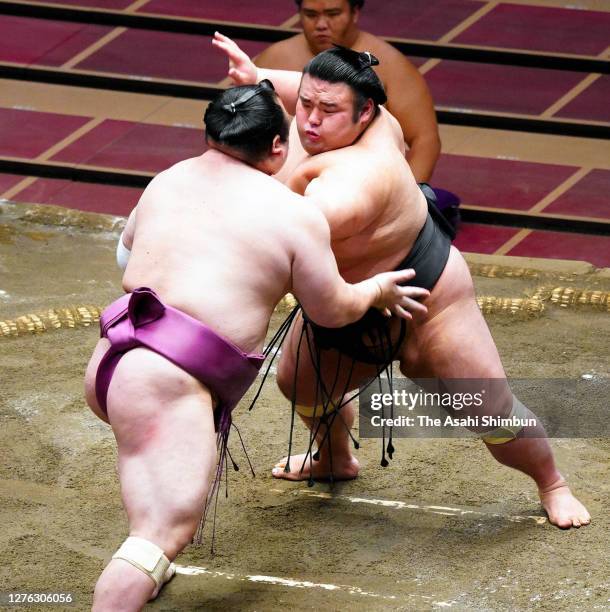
x=345 y=177
x=348 y=166
x=390 y=58
x=328 y=167
x=393 y=126
x=304 y=171
x=299 y=218
x=289 y=54
x=157 y=183
x=177 y=171
x=169 y=180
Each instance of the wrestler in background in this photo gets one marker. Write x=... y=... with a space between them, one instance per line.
x=347 y=159
x=219 y=243
x=329 y=22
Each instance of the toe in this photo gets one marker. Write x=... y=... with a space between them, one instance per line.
x=279 y=472
x=561 y=521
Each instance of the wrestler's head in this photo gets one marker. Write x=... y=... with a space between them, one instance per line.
x=339 y=96
x=249 y=123
x=328 y=22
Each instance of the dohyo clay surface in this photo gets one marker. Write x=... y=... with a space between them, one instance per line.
x=443 y=526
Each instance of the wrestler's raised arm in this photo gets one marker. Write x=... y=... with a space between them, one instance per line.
x=243 y=71
x=330 y=301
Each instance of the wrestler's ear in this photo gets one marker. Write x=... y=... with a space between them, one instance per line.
x=278 y=154
x=278 y=147
x=367 y=112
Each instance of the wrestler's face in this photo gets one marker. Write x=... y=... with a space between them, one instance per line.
x=326 y=22
x=325 y=115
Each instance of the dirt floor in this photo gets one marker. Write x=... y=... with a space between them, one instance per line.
x=281 y=545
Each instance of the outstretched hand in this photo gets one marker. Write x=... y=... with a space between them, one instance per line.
x=242 y=70
x=397 y=299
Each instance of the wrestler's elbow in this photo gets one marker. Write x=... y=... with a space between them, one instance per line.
x=340 y=309
x=324 y=313
x=337 y=319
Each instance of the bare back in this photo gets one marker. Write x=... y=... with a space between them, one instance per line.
x=194 y=245
x=367 y=193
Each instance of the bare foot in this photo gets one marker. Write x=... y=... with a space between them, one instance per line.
x=562 y=508
x=342 y=468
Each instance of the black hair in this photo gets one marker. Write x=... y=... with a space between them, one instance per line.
x=247 y=119
x=343 y=65
x=353 y=3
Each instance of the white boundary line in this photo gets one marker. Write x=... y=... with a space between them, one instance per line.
x=192 y=570
x=431 y=509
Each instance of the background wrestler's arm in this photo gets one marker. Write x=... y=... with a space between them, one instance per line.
x=243 y=71
x=409 y=100
x=326 y=298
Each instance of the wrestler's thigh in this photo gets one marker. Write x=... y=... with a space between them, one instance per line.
x=454 y=342
x=338 y=372
x=147 y=388
x=456 y=350
x=100 y=350
x=162 y=419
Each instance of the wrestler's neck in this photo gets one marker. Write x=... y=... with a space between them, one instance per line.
x=367 y=125
x=228 y=156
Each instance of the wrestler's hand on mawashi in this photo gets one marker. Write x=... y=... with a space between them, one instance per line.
x=394 y=298
x=242 y=70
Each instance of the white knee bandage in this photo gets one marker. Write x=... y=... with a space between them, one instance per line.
x=147 y=557
x=508 y=433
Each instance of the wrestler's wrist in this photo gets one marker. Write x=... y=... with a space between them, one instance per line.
x=379 y=293
x=376 y=293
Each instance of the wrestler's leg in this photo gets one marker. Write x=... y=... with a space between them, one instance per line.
x=334 y=444
x=335 y=455
x=162 y=419
x=455 y=342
